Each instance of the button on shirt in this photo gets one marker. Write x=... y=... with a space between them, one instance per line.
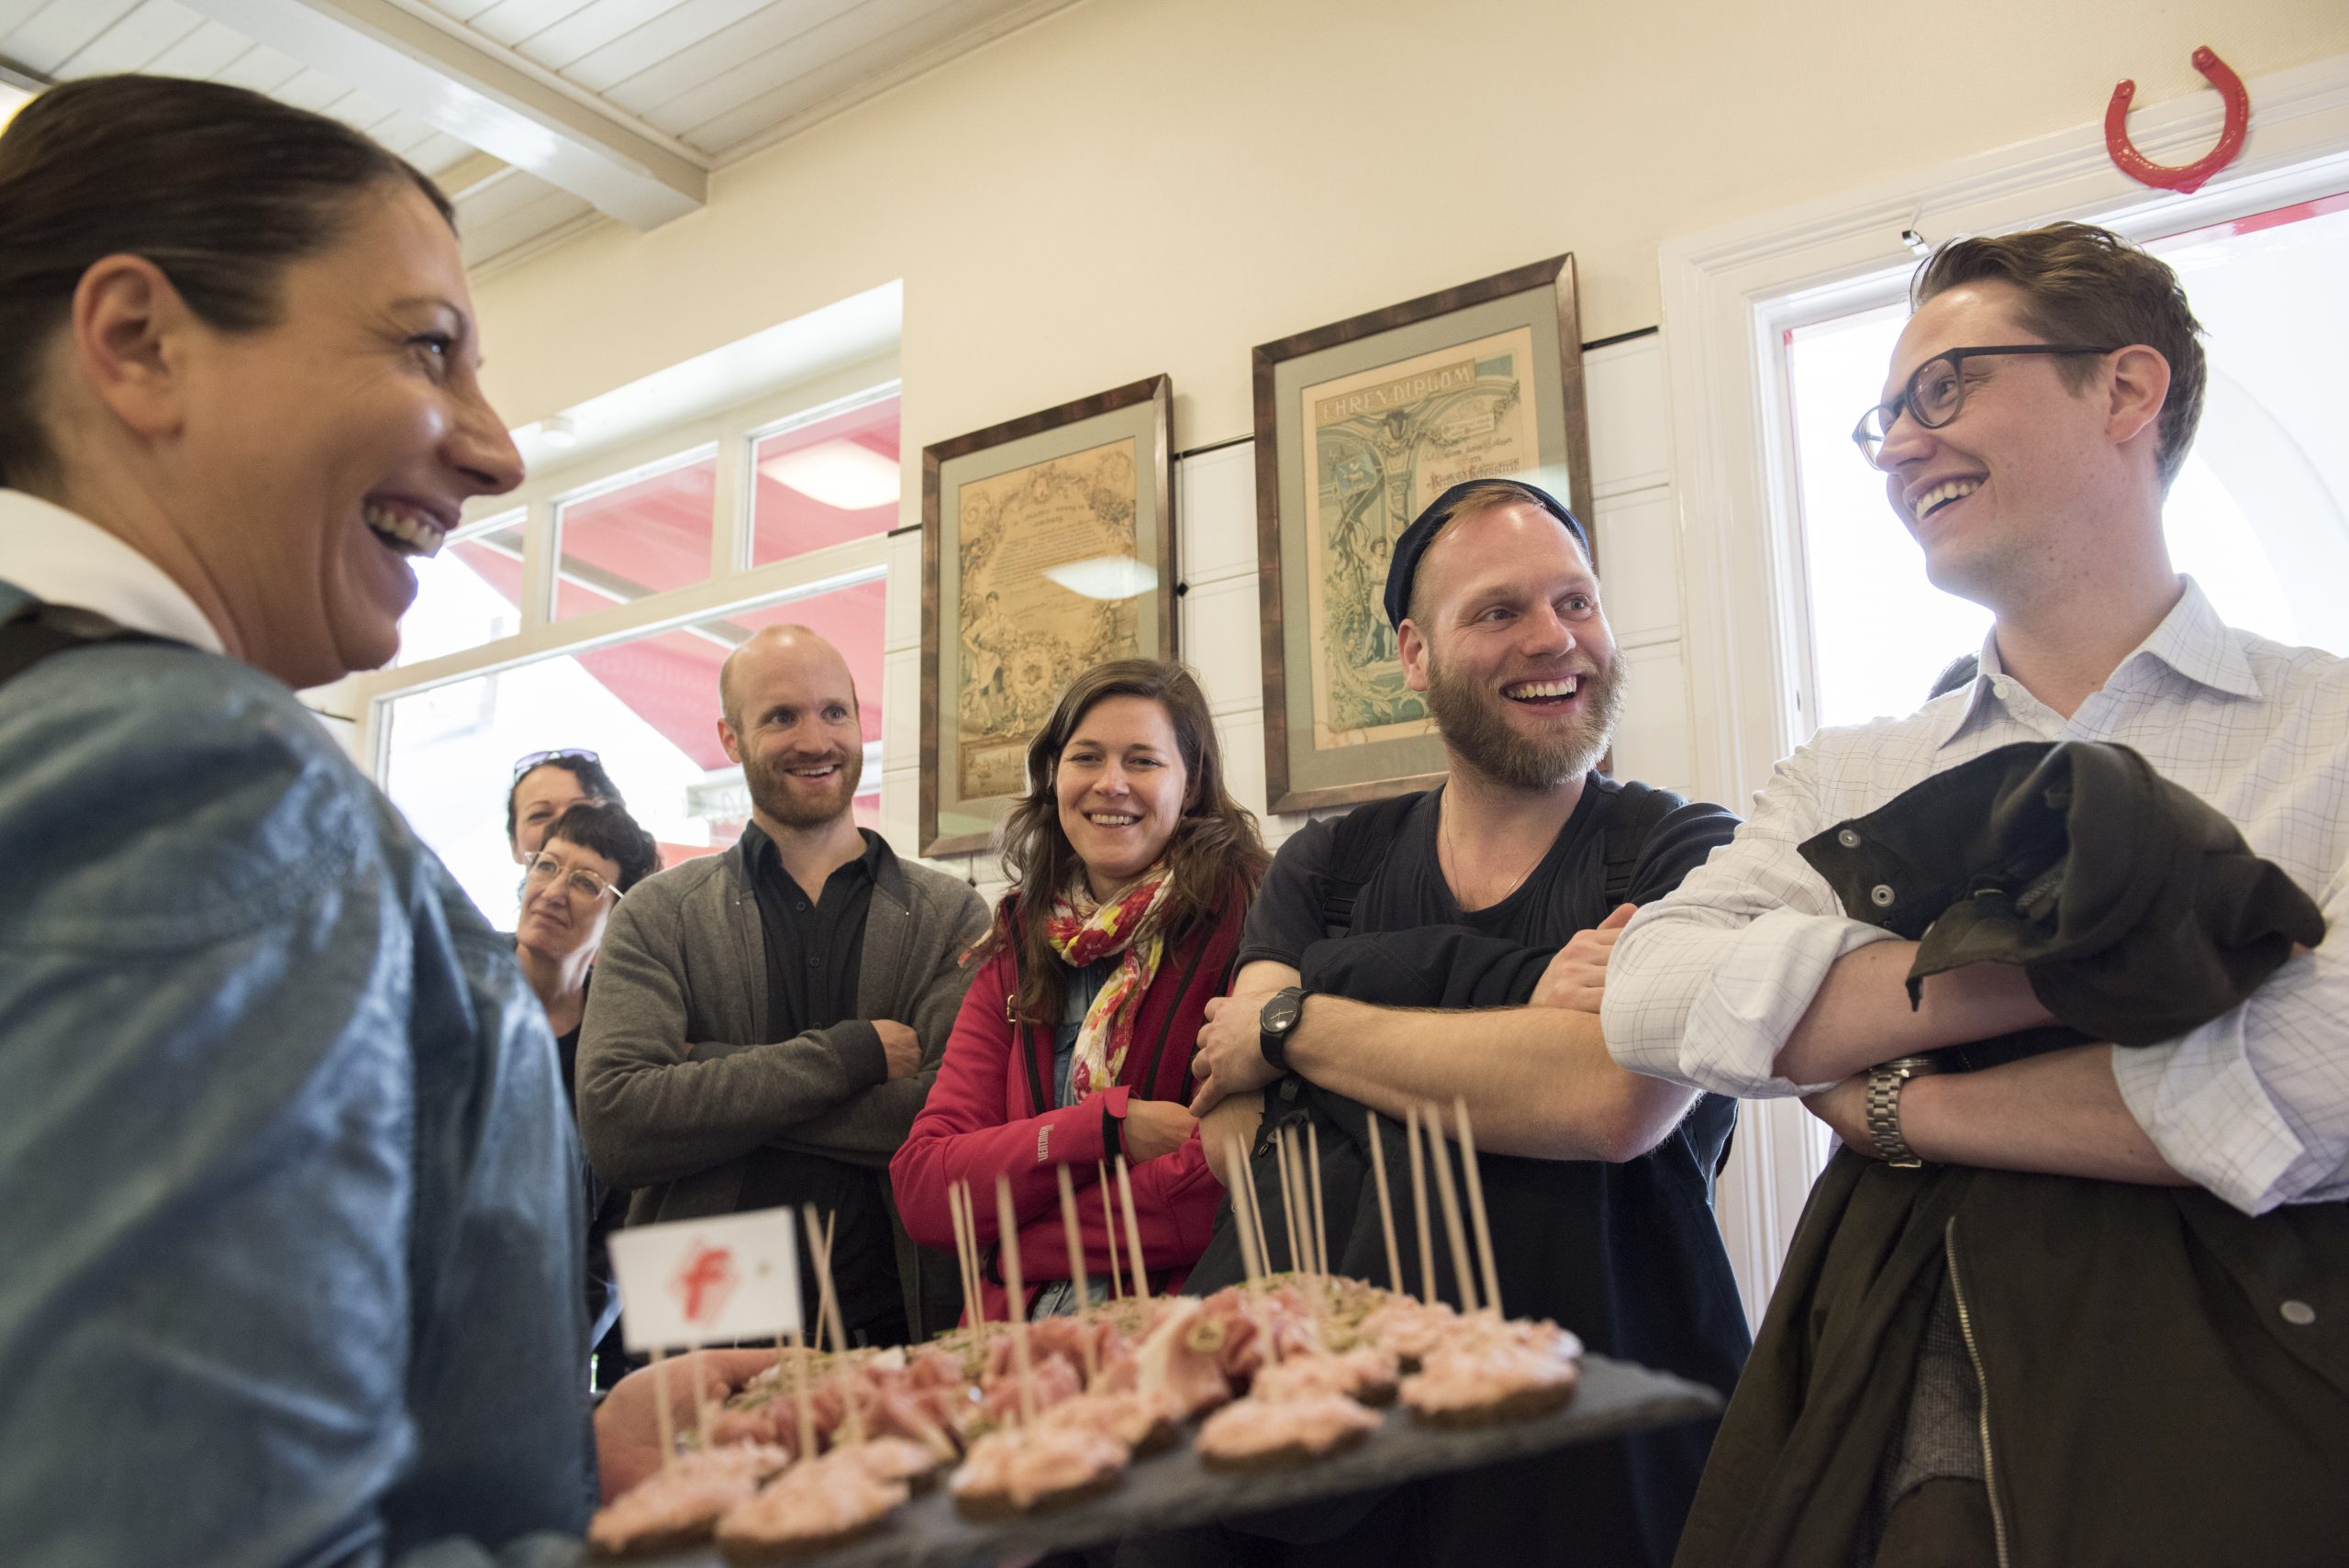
x=1705 y=987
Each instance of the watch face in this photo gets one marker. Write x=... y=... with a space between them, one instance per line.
x=1280 y=1014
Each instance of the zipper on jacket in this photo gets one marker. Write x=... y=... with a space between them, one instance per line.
x=1981 y=1391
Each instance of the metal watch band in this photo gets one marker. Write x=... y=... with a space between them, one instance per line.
x=1885 y=1084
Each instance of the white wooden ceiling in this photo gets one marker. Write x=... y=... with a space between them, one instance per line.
x=540 y=117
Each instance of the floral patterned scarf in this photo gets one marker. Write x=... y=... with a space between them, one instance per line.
x=1081 y=930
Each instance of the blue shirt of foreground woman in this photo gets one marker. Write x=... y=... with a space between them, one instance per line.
x=293 y=1226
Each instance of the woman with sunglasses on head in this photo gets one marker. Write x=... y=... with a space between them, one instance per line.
x=545 y=785
x=1131 y=869
x=294 y=1236
x=592 y=854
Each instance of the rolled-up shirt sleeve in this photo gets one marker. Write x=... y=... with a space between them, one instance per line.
x=2255 y=1105
x=1705 y=985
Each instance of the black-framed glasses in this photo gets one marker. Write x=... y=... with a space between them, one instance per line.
x=543 y=868
x=1936 y=391
x=559 y=754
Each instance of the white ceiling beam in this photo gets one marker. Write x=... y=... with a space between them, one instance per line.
x=486 y=96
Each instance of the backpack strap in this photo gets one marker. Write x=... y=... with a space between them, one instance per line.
x=1638 y=809
x=1358 y=844
x=36 y=629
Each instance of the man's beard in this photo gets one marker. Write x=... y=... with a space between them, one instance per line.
x=1478 y=730
x=793 y=806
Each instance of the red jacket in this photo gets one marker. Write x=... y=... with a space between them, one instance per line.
x=988 y=1115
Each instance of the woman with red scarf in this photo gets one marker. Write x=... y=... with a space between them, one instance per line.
x=1131 y=868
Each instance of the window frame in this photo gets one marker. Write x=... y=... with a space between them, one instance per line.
x=733 y=584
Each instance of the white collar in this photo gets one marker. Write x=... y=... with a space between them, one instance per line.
x=56 y=555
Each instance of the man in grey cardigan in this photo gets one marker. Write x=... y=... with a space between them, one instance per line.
x=765 y=1023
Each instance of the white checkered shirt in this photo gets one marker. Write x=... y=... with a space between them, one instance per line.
x=1706 y=985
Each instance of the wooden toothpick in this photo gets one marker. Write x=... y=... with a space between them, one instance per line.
x=1476 y=1206
x=1386 y=1205
x=663 y=1419
x=828 y=1311
x=1008 y=1252
x=799 y=1397
x=1419 y=1206
x=1133 y=1233
x=1439 y=1150
x=1240 y=1213
x=1077 y=1272
x=1288 y=1203
x=1109 y=1218
x=1320 y=1224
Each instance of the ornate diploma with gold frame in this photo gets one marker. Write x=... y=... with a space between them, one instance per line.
x=1359 y=425
x=1047 y=548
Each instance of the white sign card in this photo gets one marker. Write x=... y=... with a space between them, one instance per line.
x=708 y=1282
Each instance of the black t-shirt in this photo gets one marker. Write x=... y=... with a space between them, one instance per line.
x=1565 y=894
x=1629 y=1256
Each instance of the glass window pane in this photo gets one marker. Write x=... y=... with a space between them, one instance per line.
x=648 y=707
x=642 y=538
x=825 y=483
x=469 y=595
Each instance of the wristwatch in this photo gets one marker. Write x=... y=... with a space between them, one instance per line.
x=1885 y=1084
x=1273 y=1023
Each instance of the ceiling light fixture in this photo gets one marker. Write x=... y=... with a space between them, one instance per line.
x=838 y=473
x=1105 y=577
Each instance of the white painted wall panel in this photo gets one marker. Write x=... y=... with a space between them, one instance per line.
x=1638 y=538
x=1630 y=435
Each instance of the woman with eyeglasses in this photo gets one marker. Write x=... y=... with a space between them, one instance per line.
x=592 y=854
x=291 y=1249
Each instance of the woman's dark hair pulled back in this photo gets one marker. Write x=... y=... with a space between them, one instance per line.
x=1215 y=853
x=219 y=187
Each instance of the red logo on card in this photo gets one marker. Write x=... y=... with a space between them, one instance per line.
x=705 y=1280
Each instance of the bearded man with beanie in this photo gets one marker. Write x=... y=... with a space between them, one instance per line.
x=766 y=1021
x=1599 y=1181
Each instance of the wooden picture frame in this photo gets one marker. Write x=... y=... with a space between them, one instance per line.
x=1047 y=547
x=1480 y=381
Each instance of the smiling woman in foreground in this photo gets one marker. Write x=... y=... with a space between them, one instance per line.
x=293 y=1237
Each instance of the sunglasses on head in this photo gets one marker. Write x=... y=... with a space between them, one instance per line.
x=560 y=754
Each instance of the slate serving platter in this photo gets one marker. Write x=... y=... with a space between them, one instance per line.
x=1172 y=1489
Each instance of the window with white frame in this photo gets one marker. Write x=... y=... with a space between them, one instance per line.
x=595 y=615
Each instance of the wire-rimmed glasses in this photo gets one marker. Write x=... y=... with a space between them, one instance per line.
x=543 y=868
x=1936 y=391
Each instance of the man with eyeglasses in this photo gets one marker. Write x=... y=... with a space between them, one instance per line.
x=767 y=1022
x=2053 y=1310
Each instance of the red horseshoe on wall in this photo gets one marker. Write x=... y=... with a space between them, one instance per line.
x=2184 y=176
